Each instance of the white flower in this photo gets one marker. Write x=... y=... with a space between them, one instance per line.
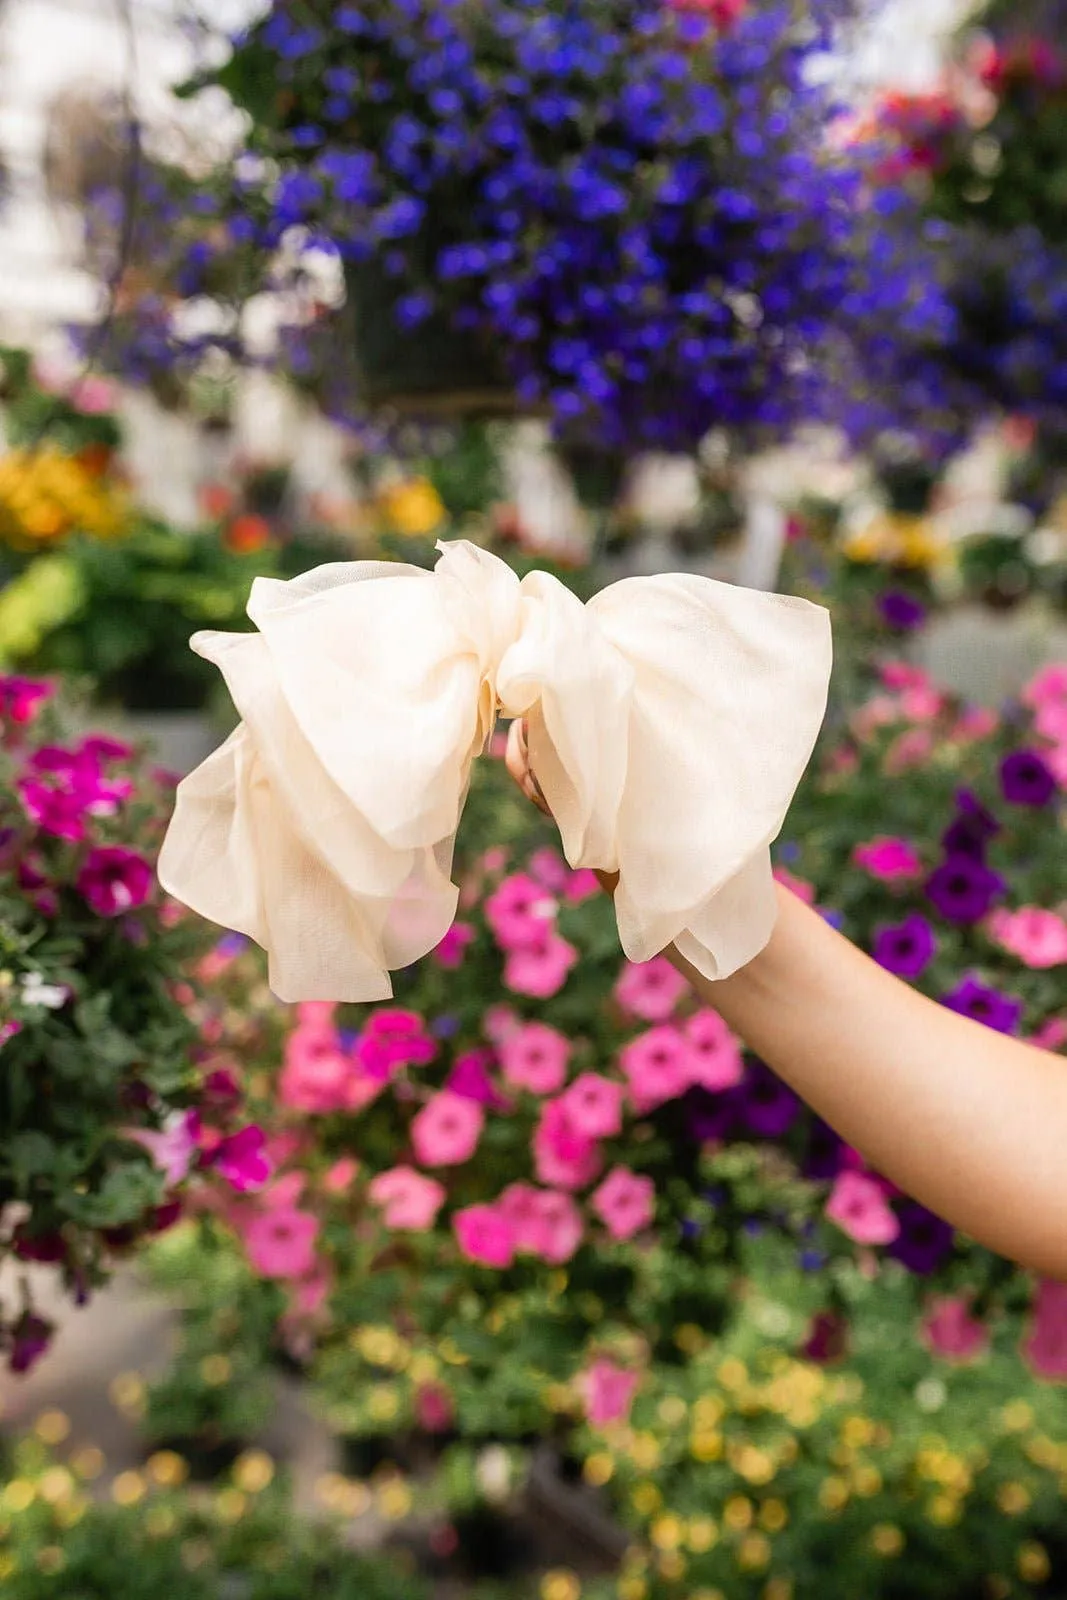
x=493 y=1472
x=35 y=992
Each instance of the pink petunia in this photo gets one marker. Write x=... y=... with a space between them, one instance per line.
x=624 y=1202
x=922 y=703
x=581 y=885
x=1048 y=687
x=900 y=675
x=799 y=886
x=518 y=911
x=535 y=1057
x=714 y=1052
x=593 y=1106
x=912 y=748
x=649 y=989
x=1050 y=721
x=242 y=1159
x=544 y=1222
x=859 y=1207
x=1051 y=1035
x=563 y=1158
x=317 y=1017
x=409 y=1199
x=1045 y=1346
x=339 y=1178
x=549 y=869
x=470 y=1077
x=319 y=1077
x=608 y=1391
x=974 y=724
x=950 y=1330
x=498 y=1021
x=392 y=1039
x=1036 y=936
x=453 y=947
x=889 y=860
x=658 y=1065
x=446 y=1131
x=174 y=1148
x=280 y=1243
x=485 y=1235
x=284 y=1192
x=540 y=967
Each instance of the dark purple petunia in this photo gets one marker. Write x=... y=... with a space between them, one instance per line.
x=963 y=889
x=972 y=828
x=923 y=1241
x=1027 y=780
x=901 y=611
x=767 y=1107
x=825 y=1154
x=711 y=1116
x=1002 y=1012
x=31 y=1337
x=827 y=1338
x=906 y=948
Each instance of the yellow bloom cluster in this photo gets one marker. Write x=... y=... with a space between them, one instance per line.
x=46 y=494
x=896 y=539
x=412 y=508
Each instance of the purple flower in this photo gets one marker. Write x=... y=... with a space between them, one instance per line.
x=971 y=829
x=825 y=1153
x=1001 y=1012
x=242 y=1159
x=907 y=947
x=923 y=1241
x=1027 y=780
x=711 y=1117
x=900 y=611
x=962 y=889
x=114 y=880
x=31 y=1337
x=767 y=1107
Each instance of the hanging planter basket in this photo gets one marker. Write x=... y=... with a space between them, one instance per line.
x=430 y=371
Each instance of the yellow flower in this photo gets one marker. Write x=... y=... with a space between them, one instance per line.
x=706 y=1445
x=701 y=1534
x=737 y=1513
x=68 y=1513
x=944 y=1510
x=857 y=1431
x=866 y=1481
x=128 y=1488
x=55 y=1485
x=755 y=1466
x=88 y=1463
x=127 y=1393
x=1017 y=1416
x=167 y=1468
x=732 y=1374
x=707 y=1594
x=667 y=1532
x=18 y=1495
x=413 y=508
x=383 y=1402
x=833 y=1494
x=1013 y=1499
x=561 y=1585
x=253 y=1471
x=1043 y=1452
x=645 y=1451
x=216 y=1370
x=52 y=1427
x=631 y=1588
x=1032 y=1562
x=160 y=1522
x=887 y=1539
x=778 y=1589
x=754 y=1552
x=672 y=1411
x=774 y=1515
x=689 y=1338
x=671 y=1565
x=394 y=1500
x=230 y=1505
x=645 y=1498
x=598 y=1469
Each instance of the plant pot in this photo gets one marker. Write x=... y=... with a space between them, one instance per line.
x=432 y=370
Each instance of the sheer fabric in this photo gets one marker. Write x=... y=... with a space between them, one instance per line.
x=670 y=720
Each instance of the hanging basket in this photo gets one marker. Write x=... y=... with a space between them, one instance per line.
x=429 y=371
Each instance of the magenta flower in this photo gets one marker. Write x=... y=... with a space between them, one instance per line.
x=453 y=947
x=53 y=810
x=624 y=1202
x=593 y=1106
x=563 y=1158
x=484 y=1235
x=446 y=1131
x=535 y=1057
x=470 y=1078
x=650 y=989
x=1045 y=1345
x=1048 y=687
x=544 y=1222
x=950 y=1330
x=540 y=966
x=549 y=869
x=799 y=886
x=858 y=1206
x=608 y=1391
x=280 y=1242
x=22 y=698
x=658 y=1065
x=715 y=1059
x=409 y=1199
x=114 y=880
x=581 y=885
x=242 y=1159
x=890 y=860
x=393 y=1039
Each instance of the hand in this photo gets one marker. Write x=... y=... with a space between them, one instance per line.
x=517 y=761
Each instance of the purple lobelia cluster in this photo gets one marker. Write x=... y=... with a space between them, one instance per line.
x=632 y=207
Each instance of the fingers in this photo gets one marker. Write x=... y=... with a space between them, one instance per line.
x=517 y=761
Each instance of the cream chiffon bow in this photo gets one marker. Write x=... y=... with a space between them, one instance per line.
x=669 y=722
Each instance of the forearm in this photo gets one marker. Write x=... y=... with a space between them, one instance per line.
x=971 y=1123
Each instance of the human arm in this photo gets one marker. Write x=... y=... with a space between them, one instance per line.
x=970 y=1122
